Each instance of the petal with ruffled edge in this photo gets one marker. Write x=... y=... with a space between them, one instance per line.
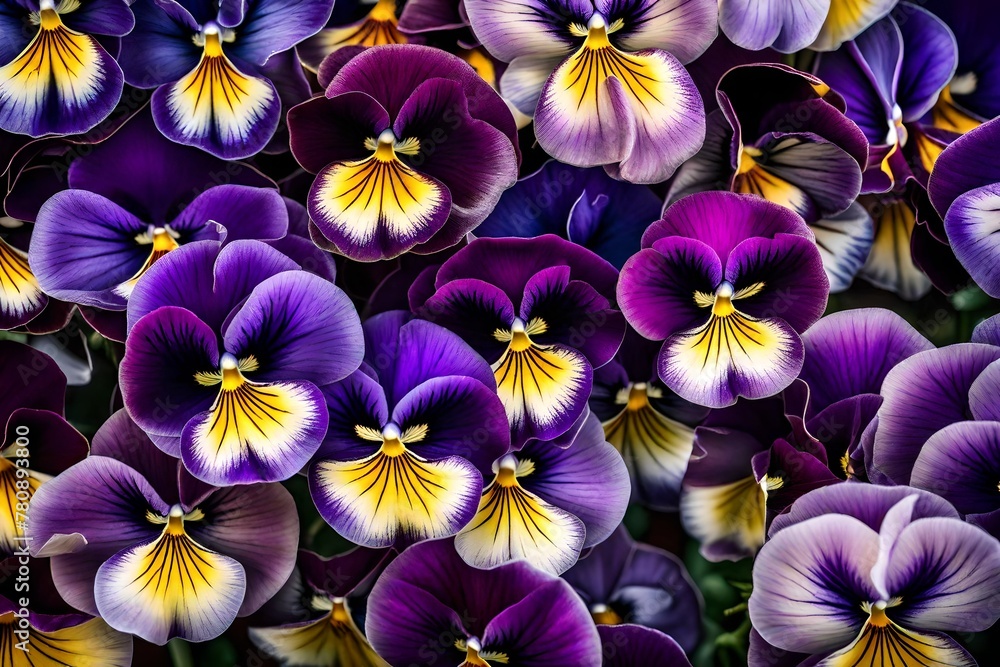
x=923 y=394
x=377 y=207
x=961 y=463
x=850 y=352
x=947 y=571
x=219 y=107
x=63 y=82
x=21 y=297
x=170 y=587
x=637 y=113
x=512 y=28
x=810 y=581
x=684 y=28
x=844 y=241
x=390 y=498
x=972 y=223
x=786 y=26
x=847 y=18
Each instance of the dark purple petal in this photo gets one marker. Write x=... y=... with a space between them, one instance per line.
x=473 y=309
x=29 y=378
x=636 y=646
x=159 y=50
x=268 y=27
x=120 y=438
x=930 y=56
x=961 y=463
x=355 y=401
x=330 y=130
x=968 y=163
x=510 y=28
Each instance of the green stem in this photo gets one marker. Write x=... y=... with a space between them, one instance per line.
x=180 y=653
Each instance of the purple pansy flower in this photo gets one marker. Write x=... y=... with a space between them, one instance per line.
x=546 y=503
x=648 y=424
x=353 y=23
x=965 y=190
x=586 y=206
x=411 y=435
x=729 y=298
x=38 y=627
x=318 y=610
x=153 y=551
x=56 y=77
x=221 y=73
x=891 y=76
x=411 y=149
x=540 y=311
x=862 y=572
x=430 y=606
x=625 y=582
x=604 y=79
x=227 y=378
x=37 y=441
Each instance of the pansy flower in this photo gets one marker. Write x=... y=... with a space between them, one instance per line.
x=56 y=77
x=652 y=427
x=37 y=441
x=545 y=504
x=156 y=553
x=965 y=189
x=220 y=72
x=411 y=435
x=626 y=582
x=863 y=573
x=891 y=76
x=226 y=352
x=540 y=311
x=781 y=134
x=37 y=627
x=604 y=81
x=728 y=282
x=586 y=206
x=429 y=606
x=411 y=149
x=320 y=603
x=353 y=23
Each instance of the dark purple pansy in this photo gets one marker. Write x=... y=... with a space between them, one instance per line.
x=37 y=442
x=36 y=624
x=153 y=551
x=412 y=433
x=430 y=607
x=221 y=74
x=227 y=377
x=891 y=76
x=728 y=282
x=648 y=424
x=586 y=206
x=411 y=149
x=965 y=190
x=604 y=80
x=56 y=76
x=540 y=310
x=320 y=609
x=547 y=503
x=863 y=571
x=626 y=582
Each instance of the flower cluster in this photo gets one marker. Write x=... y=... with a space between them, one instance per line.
x=472 y=333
